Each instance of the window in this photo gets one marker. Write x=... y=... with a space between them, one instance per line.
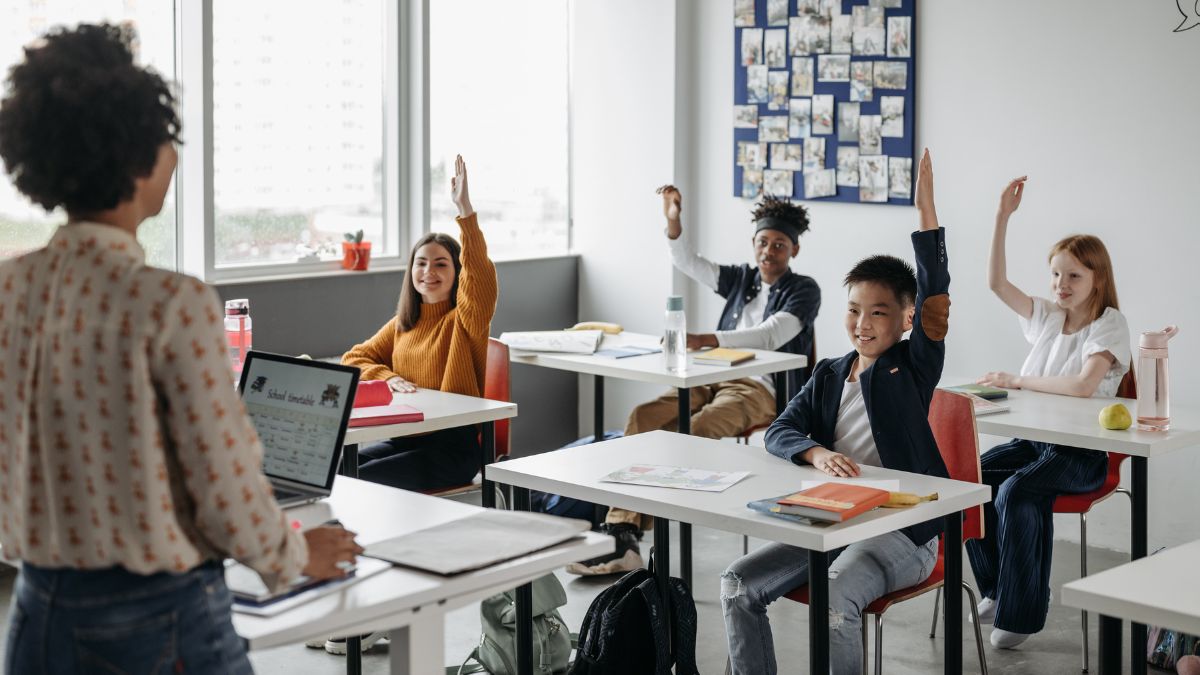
x=25 y=226
x=498 y=96
x=298 y=130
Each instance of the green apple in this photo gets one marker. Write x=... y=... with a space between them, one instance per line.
x=1115 y=416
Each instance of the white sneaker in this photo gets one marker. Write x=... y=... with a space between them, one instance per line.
x=986 y=609
x=318 y=643
x=1003 y=639
x=338 y=645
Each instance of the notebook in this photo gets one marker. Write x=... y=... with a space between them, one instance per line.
x=300 y=409
x=722 y=356
x=982 y=391
x=828 y=502
x=251 y=596
x=986 y=407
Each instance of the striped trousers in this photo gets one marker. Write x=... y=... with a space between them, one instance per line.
x=1012 y=561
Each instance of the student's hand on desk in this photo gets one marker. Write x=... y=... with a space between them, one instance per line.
x=672 y=207
x=700 y=341
x=401 y=385
x=832 y=463
x=1000 y=379
x=329 y=545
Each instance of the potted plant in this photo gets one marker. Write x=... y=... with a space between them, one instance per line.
x=356 y=253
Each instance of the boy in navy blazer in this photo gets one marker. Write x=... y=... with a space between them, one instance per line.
x=870 y=406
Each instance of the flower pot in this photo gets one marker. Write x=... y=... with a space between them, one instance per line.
x=356 y=256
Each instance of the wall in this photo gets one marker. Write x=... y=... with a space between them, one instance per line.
x=1093 y=100
x=326 y=316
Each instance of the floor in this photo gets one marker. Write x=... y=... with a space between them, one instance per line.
x=908 y=650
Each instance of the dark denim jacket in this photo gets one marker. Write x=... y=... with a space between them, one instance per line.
x=897 y=388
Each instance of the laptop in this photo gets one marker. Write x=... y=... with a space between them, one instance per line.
x=300 y=409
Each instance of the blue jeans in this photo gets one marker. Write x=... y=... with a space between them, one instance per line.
x=858 y=574
x=112 y=621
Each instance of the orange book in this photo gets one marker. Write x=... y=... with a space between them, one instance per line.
x=833 y=502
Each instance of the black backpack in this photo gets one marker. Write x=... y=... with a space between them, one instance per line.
x=625 y=630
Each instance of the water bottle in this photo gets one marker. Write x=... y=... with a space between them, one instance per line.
x=1153 y=398
x=237 y=331
x=675 y=339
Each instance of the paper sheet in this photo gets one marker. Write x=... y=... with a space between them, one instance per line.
x=676 y=477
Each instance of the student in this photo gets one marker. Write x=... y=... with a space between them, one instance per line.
x=128 y=468
x=767 y=306
x=437 y=340
x=828 y=426
x=1080 y=348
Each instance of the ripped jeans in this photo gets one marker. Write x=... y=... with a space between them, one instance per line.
x=858 y=574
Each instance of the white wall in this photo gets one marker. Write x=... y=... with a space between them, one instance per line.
x=1095 y=101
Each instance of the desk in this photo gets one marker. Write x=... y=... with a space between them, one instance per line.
x=410 y=603
x=1072 y=421
x=576 y=472
x=1158 y=590
x=652 y=368
x=442 y=410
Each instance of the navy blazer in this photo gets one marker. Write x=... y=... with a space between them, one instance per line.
x=897 y=388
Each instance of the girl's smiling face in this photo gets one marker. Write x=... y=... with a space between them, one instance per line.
x=1071 y=282
x=433 y=273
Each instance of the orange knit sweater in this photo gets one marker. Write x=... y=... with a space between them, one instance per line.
x=447 y=349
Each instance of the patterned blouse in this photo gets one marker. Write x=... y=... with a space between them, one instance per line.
x=122 y=439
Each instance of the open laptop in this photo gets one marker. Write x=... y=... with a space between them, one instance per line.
x=300 y=409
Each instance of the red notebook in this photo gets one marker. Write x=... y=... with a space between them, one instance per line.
x=373 y=406
x=834 y=502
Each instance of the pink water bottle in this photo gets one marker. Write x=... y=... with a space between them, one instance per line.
x=1153 y=399
x=237 y=331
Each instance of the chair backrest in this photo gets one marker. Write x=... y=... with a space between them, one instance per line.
x=1128 y=386
x=497 y=387
x=952 y=419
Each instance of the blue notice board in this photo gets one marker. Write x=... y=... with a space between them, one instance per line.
x=824 y=105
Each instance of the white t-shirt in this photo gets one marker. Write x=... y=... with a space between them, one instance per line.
x=852 y=435
x=1056 y=354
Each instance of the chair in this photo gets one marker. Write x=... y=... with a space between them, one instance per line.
x=952 y=418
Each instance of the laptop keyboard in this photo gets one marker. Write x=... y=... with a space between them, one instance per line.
x=282 y=495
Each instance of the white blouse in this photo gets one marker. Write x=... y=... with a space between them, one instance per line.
x=1055 y=353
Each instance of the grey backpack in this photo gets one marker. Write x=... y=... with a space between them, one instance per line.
x=497 y=650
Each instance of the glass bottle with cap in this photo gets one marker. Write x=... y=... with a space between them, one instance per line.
x=1153 y=397
x=675 y=338
x=237 y=331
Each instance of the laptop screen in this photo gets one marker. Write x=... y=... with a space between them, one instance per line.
x=300 y=409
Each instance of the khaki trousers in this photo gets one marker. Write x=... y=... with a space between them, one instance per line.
x=721 y=410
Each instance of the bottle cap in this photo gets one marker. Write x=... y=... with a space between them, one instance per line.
x=675 y=303
x=1157 y=339
x=237 y=307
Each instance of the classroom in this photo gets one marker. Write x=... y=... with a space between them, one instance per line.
x=294 y=160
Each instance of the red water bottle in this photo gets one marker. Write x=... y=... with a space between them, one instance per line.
x=237 y=331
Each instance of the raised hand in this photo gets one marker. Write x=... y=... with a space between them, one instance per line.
x=458 y=188
x=924 y=198
x=672 y=207
x=1010 y=199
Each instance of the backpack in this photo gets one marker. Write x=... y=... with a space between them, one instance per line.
x=624 y=631
x=1164 y=647
x=497 y=650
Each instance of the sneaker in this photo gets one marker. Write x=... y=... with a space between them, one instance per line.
x=337 y=646
x=986 y=609
x=1004 y=639
x=626 y=558
x=318 y=643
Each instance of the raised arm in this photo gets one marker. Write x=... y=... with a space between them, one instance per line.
x=477 y=285
x=683 y=257
x=931 y=315
x=1015 y=298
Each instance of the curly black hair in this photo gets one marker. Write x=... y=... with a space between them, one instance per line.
x=794 y=215
x=889 y=272
x=81 y=121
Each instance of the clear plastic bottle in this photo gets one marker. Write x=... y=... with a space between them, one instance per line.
x=675 y=338
x=237 y=331
x=1153 y=395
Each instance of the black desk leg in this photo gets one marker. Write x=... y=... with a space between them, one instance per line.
x=953 y=590
x=818 y=612
x=685 y=529
x=597 y=408
x=1139 y=481
x=1110 y=646
x=350 y=460
x=524 y=602
x=488 y=436
x=662 y=565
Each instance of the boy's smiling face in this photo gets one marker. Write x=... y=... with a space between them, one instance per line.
x=772 y=251
x=875 y=319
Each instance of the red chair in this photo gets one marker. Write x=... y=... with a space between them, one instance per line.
x=952 y=418
x=1083 y=503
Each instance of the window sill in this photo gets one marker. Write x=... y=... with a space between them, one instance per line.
x=391 y=265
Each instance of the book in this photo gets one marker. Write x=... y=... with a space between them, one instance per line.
x=982 y=391
x=832 y=502
x=722 y=356
x=564 y=341
x=251 y=595
x=396 y=413
x=986 y=407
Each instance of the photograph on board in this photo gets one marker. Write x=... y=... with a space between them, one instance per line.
x=778 y=183
x=822 y=114
x=869 y=140
x=847 y=165
x=847 y=121
x=788 y=156
x=821 y=183
x=891 y=109
x=800 y=118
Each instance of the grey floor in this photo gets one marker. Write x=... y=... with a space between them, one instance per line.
x=908 y=650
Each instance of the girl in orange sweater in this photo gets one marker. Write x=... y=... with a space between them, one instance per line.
x=437 y=340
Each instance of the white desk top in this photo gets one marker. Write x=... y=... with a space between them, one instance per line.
x=576 y=472
x=1073 y=421
x=652 y=367
x=378 y=512
x=1158 y=590
x=442 y=410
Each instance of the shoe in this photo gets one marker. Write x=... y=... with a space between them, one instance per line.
x=986 y=609
x=337 y=646
x=318 y=643
x=626 y=558
x=1004 y=639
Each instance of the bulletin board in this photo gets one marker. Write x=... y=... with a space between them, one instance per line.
x=824 y=106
